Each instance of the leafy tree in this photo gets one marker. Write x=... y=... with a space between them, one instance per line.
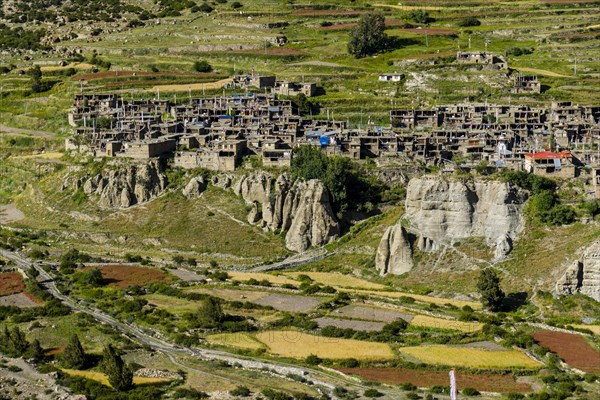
x=489 y=288
x=73 y=356
x=211 y=315
x=92 y=277
x=372 y=393
x=236 y=4
x=36 y=79
x=368 y=37
x=119 y=374
x=305 y=106
x=36 y=351
x=395 y=328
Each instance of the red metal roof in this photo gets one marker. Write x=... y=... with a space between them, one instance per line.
x=549 y=155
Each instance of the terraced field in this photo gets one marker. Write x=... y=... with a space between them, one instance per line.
x=469 y=357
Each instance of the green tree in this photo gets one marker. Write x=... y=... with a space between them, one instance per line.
x=368 y=37
x=36 y=351
x=119 y=374
x=36 y=79
x=73 y=356
x=92 y=277
x=211 y=314
x=489 y=288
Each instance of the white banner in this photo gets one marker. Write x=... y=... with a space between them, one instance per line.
x=452 y=385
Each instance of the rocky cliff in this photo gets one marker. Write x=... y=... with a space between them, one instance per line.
x=583 y=276
x=127 y=184
x=302 y=208
x=443 y=210
x=394 y=254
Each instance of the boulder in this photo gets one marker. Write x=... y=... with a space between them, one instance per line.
x=128 y=184
x=313 y=223
x=443 y=210
x=301 y=208
x=194 y=188
x=583 y=275
x=394 y=254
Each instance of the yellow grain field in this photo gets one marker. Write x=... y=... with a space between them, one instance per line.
x=339 y=280
x=593 y=328
x=441 y=323
x=239 y=340
x=103 y=379
x=418 y=297
x=469 y=357
x=274 y=279
x=191 y=86
x=297 y=344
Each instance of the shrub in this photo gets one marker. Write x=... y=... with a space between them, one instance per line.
x=240 y=391
x=468 y=391
x=408 y=386
x=236 y=4
x=202 y=66
x=205 y=8
x=372 y=393
x=469 y=21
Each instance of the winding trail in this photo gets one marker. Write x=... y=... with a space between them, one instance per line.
x=322 y=381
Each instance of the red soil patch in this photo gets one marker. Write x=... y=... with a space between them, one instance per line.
x=573 y=349
x=122 y=275
x=431 y=31
x=350 y=25
x=484 y=382
x=117 y=74
x=325 y=13
x=54 y=351
x=11 y=283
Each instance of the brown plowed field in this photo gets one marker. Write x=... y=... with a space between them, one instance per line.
x=327 y=13
x=573 y=349
x=129 y=275
x=485 y=382
x=117 y=74
x=11 y=283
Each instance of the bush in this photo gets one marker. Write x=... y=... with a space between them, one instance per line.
x=469 y=21
x=420 y=17
x=372 y=393
x=313 y=360
x=205 y=8
x=468 y=391
x=240 y=391
x=408 y=386
x=236 y=4
x=202 y=66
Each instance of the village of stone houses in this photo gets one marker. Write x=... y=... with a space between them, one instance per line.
x=291 y=200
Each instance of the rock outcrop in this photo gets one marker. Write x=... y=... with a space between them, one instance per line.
x=394 y=254
x=583 y=276
x=302 y=208
x=194 y=188
x=127 y=184
x=443 y=210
